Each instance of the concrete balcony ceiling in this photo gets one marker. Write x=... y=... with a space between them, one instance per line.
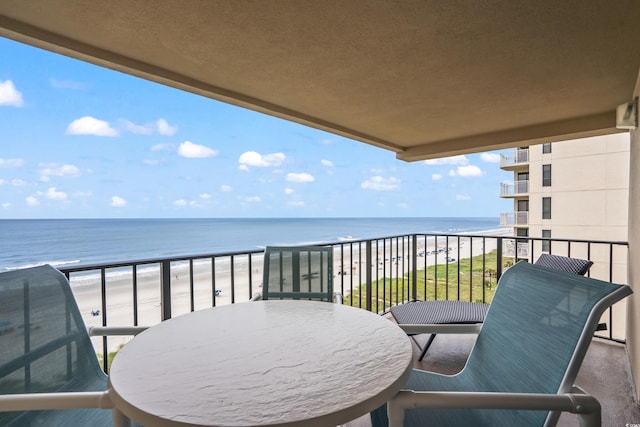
x=423 y=79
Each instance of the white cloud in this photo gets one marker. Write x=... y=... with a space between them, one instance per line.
x=190 y=150
x=300 y=177
x=327 y=163
x=118 y=202
x=2 y=181
x=243 y=168
x=453 y=160
x=6 y=205
x=48 y=169
x=11 y=163
x=54 y=194
x=436 y=177
x=469 y=170
x=9 y=95
x=160 y=126
x=67 y=84
x=252 y=158
x=463 y=197
x=180 y=202
x=165 y=128
x=161 y=147
x=490 y=157
x=379 y=183
x=32 y=201
x=88 y=125
x=18 y=182
x=296 y=203
x=205 y=196
x=225 y=188
x=452 y=172
x=289 y=191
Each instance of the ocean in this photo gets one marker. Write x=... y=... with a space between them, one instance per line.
x=71 y=242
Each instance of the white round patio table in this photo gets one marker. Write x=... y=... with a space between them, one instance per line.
x=267 y=363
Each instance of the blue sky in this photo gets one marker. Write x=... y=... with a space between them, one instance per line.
x=80 y=141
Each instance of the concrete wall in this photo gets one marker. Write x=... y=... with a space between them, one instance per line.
x=633 y=313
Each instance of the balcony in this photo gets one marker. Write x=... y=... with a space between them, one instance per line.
x=517 y=160
x=511 y=219
x=373 y=275
x=514 y=189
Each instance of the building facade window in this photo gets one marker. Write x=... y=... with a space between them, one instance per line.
x=546 y=175
x=522 y=232
x=546 y=244
x=546 y=208
x=546 y=148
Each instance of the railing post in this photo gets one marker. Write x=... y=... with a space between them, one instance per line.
x=499 y=257
x=414 y=267
x=368 y=278
x=165 y=289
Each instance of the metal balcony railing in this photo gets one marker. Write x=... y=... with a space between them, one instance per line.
x=519 y=155
x=514 y=188
x=373 y=274
x=514 y=218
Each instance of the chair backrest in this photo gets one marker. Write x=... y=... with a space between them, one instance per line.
x=300 y=272
x=45 y=345
x=563 y=263
x=536 y=333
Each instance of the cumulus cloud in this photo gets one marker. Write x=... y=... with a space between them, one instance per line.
x=88 y=125
x=9 y=95
x=160 y=126
x=6 y=205
x=253 y=158
x=190 y=150
x=289 y=191
x=453 y=160
x=118 y=202
x=463 y=197
x=327 y=163
x=32 y=201
x=436 y=177
x=205 y=196
x=54 y=194
x=225 y=188
x=161 y=147
x=469 y=170
x=490 y=157
x=180 y=202
x=300 y=177
x=16 y=182
x=53 y=169
x=2 y=181
x=379 y=183
x=11 y=163
x=452 y=172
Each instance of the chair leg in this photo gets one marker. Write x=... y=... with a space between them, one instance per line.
x=426 y=347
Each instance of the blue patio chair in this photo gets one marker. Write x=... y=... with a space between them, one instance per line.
x=466 y=317
x=298 y=272
x=522 y=367
x=49 y=371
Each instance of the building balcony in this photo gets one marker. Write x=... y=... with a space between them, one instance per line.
x=517 y=160
x=514 y=189
x=373 y=275
x=510 y=219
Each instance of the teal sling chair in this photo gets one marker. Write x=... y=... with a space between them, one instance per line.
x=523 y=365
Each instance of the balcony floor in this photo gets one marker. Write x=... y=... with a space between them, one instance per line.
x=605 y=374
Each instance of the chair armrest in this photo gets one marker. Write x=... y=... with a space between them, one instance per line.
x=577 y=402
x=448 y=328
x=337 y=296
x=257 y=296
x=115 y=330
x=48 y=401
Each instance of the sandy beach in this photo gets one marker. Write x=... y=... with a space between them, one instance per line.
x=349 y=273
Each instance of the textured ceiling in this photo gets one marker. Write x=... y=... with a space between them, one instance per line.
x=421 y=78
